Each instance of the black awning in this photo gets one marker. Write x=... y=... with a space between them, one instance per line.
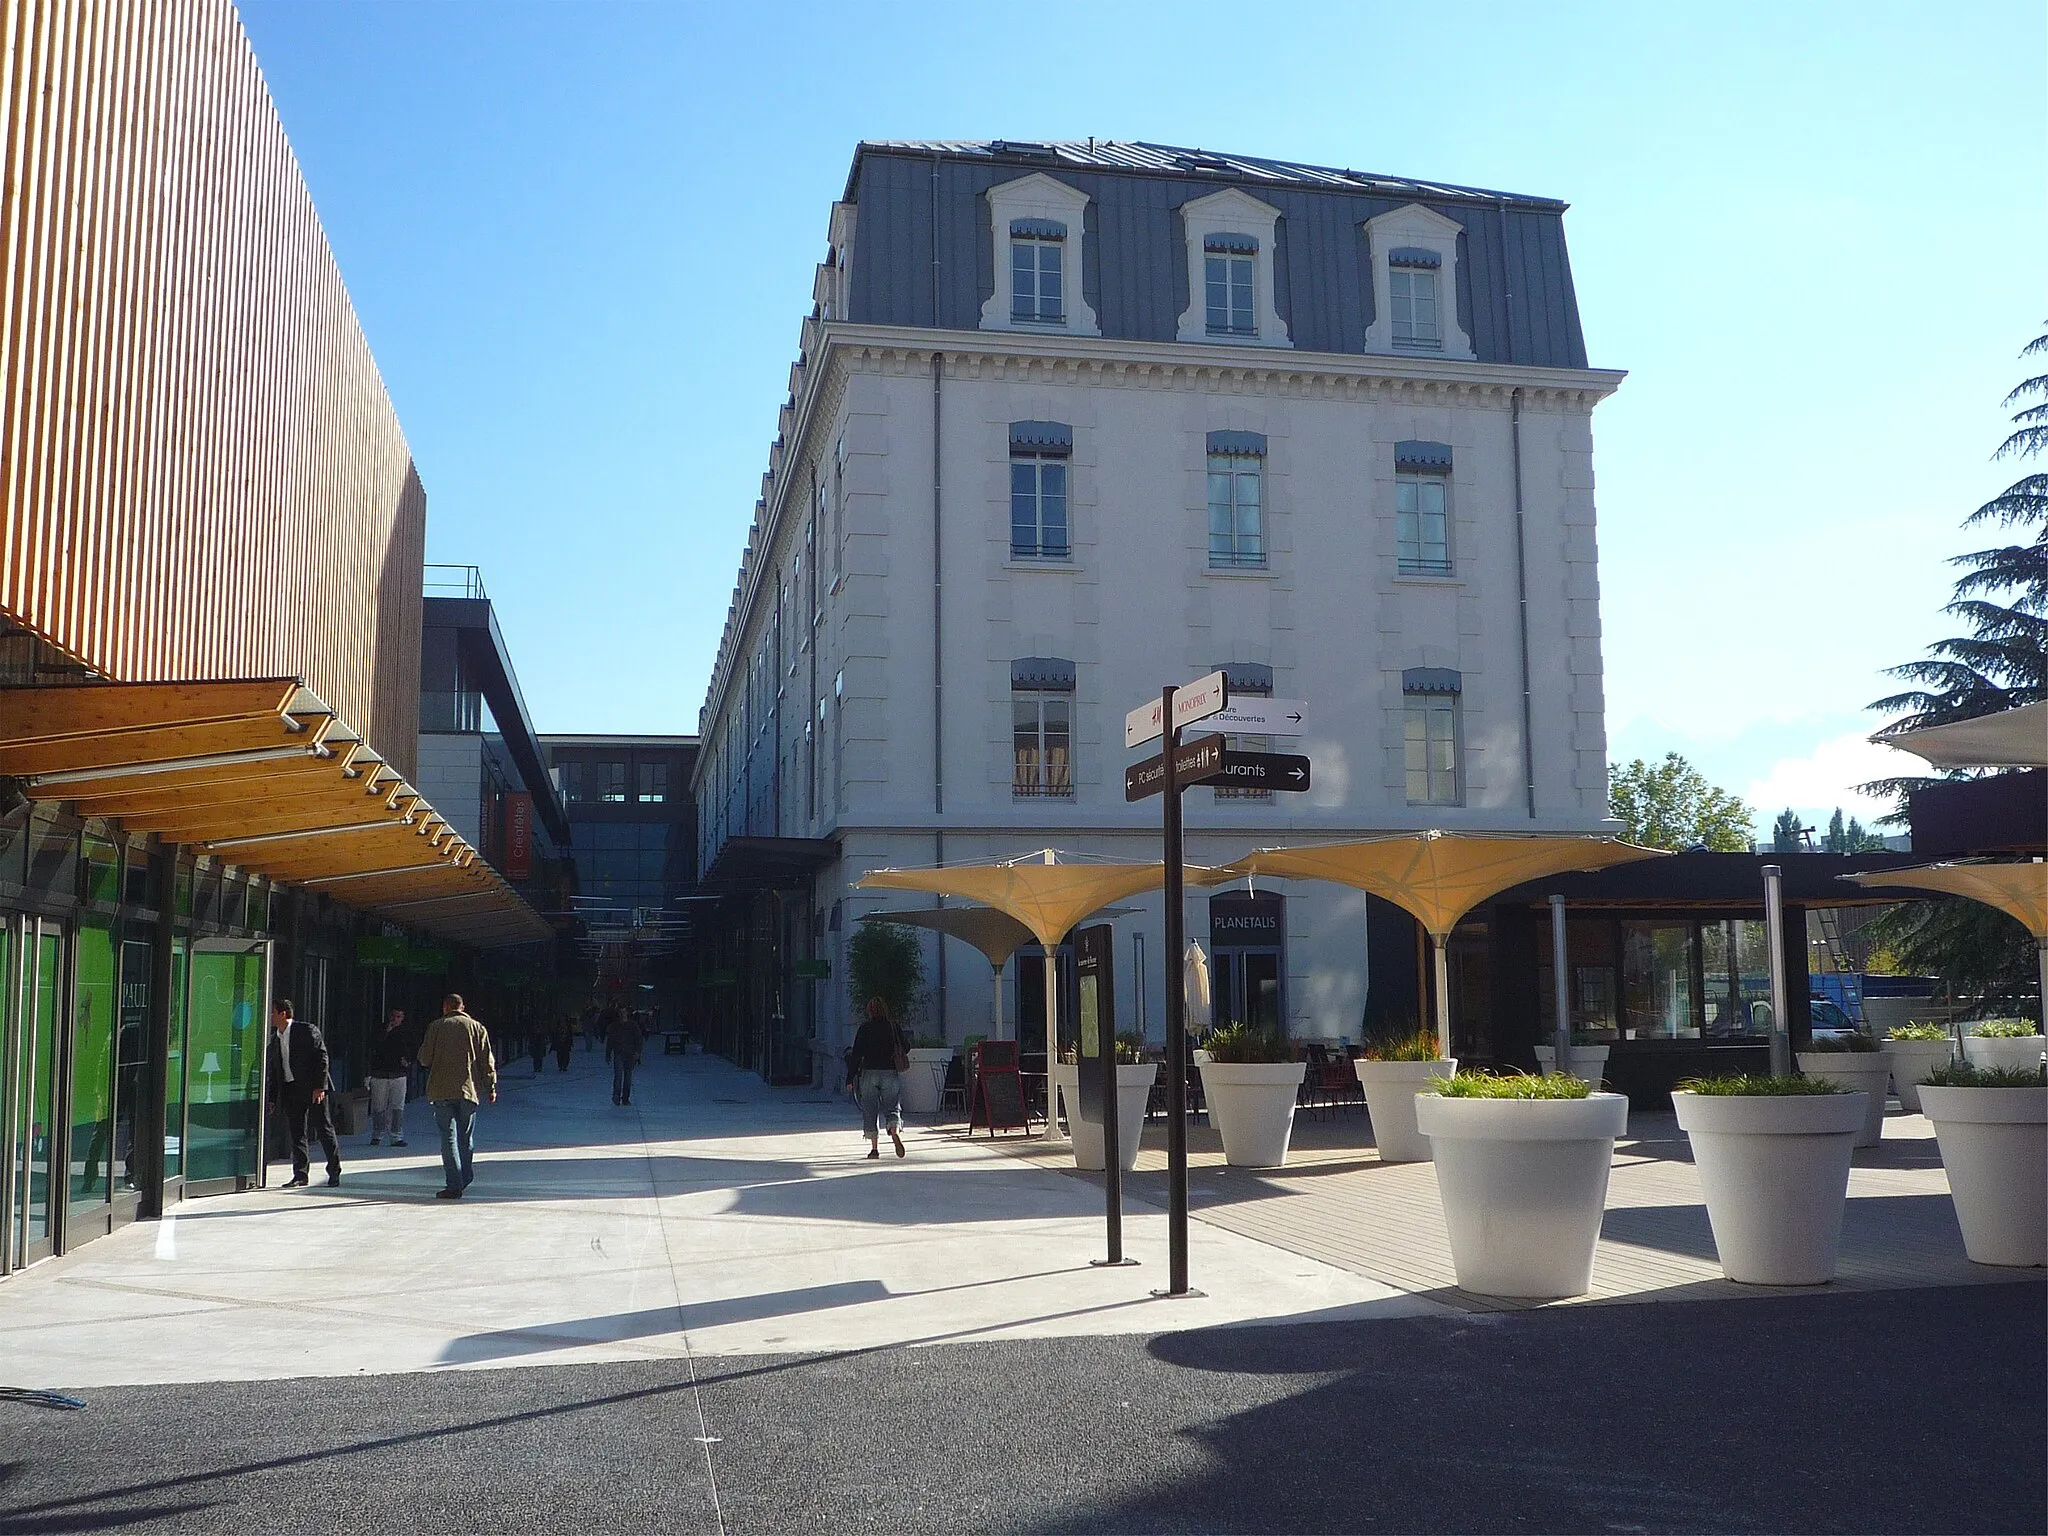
x=1728 y=881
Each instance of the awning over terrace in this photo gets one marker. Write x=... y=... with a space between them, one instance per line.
x=265 y=776
x=2012 y=738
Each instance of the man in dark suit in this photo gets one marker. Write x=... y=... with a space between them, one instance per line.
x=298 y=1088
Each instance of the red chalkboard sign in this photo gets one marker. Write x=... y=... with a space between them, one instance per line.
x=996 y=1097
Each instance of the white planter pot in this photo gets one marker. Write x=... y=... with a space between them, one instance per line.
x=1524 y=1184
x=1586 y=1061
x=921 y=1083
x=1251 y=1105
x=1994 y=1144
x=1865 y=1071
x=1912 y=1060
x=1390 y=1089
x=2024 y=1052
x=1775 y=1172
x=1133 y=1089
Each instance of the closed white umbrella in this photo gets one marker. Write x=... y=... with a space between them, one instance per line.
x=1195 y=987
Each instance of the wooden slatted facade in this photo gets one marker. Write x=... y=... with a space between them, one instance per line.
x=201 y=475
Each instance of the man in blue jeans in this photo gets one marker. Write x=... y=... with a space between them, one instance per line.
x=461 y=1075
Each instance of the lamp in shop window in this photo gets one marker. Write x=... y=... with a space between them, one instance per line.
x=210 y=1066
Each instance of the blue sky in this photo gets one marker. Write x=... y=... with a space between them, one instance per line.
x=580 y=238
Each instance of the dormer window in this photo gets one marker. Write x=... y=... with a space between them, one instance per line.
x=1233 y=244
x=1039 y=228
x=1228 y=262
x=1037 y=259
x=1411 y=285
x=1414 y=260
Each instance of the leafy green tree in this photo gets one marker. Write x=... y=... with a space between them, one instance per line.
x=2002 y=595
x=1978 y=950
x=1788 y=833
x=1671 y=805
x=885 y=960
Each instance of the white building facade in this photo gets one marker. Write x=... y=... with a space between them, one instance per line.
x=1072 y=422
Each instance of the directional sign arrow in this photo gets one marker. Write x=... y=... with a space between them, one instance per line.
x=1194 y=762
x=1194 y=701
x=1263 y=770
x=1263 y=717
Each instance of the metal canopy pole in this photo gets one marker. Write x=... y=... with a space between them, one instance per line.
x=1561 y=988
x=1439 y=949
x=1774 y=920
x=1176 y=1020
x=1053 y=1133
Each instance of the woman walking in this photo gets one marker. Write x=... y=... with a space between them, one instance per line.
x=565 y=1042
x=874 y=1071
x=537 y=1045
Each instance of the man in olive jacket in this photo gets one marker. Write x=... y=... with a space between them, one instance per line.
x=461 y=1074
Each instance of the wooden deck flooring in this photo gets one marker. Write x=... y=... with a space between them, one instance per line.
x=1338 y=1203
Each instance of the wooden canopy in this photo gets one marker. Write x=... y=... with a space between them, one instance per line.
x=264 y=776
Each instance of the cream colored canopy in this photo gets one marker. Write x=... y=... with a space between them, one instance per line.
x=996 y=934
x=1437 y=877
x=2012 y=738
x=2019 y=890
x=1047 y=898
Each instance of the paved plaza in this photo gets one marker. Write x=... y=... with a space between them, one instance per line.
x=685 y=1316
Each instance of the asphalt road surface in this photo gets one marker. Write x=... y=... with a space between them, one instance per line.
x=1912 y=1410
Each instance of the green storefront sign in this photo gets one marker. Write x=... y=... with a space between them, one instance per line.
x=812 y=970
x=381 y=951
x=427 y=962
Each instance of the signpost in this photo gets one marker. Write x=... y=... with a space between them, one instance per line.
x=1199 y=700
x=1194 y=762
x=1263 y=717
x=1262 y=770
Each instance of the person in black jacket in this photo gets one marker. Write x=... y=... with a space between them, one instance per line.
x=390 y=1069
x=298 y=1087
x=872 y=1073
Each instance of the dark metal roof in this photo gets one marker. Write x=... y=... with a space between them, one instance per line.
x=923 y=256
x=1198 y=164
x=1727 y=881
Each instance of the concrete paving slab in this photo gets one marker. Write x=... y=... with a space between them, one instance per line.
x=715 y=1216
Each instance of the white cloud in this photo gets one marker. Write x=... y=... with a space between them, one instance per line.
x=1824 y=778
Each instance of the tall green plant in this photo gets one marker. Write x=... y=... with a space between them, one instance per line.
x=885 y=960
x=1671 y=805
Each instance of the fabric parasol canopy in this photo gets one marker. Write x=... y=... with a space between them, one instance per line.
x=996 y=934
x=2017 y=889
x=2011 y=738
x=1048 y=897
x=1437 y=877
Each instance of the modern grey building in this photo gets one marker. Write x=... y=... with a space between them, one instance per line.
x=1071 y=421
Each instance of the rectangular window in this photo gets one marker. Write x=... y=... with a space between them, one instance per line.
x=1432 y=745
x=1042 y=744
x=614 y=782
x=1422 y=527
x=654 y=783
x=1228 y=278
x=1038 y=507
x=1237 y=535
x=1413 y=290
x=1035 y=282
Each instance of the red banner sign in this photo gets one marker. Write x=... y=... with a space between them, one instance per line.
x=519 y=837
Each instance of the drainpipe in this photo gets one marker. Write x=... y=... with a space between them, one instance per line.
x=1522 y=605
x=938 y=627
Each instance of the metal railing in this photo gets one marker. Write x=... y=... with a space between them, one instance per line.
x=454 y=581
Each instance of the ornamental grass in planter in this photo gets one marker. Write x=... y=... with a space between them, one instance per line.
x=1252 y=1083
x=1855 y=1061
x=1773 y=1159
x=1992 y=1125
x=2004 y=1043
x=1917 y=1049
x=1521 y=1166
x=1392 y=1072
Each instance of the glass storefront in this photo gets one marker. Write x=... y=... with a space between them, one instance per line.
x=92 y=1070
x=225 y=1048
x=174 y=1068
x=1247 y=947
x=1659 y=979
x=36 y=1133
